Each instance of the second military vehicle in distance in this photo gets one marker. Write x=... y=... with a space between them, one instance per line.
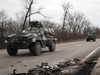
x=33 y=38
x=91 y=36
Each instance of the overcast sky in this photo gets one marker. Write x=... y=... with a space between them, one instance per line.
x=53 y=9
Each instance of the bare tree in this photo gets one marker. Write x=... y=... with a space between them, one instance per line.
x=29 y=8
x=79 y=22
x=28 y=5
x=66 y=7
x=3 y=18
x=87 y=27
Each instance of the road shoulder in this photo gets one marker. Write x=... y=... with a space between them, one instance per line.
x=96 y=69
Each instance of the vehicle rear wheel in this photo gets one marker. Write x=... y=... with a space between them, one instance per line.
x=30 y=49
x=52 y=47
x=36 y=49
x=11 y=51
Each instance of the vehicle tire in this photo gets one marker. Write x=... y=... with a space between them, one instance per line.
x=36 y=49
x=11 y=51
x=87 y=40
x=94 y=39
x=52 y=47
x=30 y=49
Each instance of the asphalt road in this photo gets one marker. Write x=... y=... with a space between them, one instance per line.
x=24 y=60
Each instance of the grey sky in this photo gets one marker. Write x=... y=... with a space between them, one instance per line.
x=52 y=8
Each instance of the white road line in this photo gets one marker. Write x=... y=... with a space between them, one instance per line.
x=91 y=53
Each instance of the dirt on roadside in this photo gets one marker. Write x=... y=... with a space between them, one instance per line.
x=87 y=69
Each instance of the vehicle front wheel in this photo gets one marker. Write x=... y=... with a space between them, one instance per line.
x=52 y=47
x=87 y=40
x=36 y=49
x=94 y=39
x=30 y=49
x=11 y=51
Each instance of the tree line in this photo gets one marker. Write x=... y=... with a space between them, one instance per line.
x=74 y=25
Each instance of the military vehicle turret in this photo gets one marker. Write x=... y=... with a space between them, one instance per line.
x=91 y=36
x=33 y=38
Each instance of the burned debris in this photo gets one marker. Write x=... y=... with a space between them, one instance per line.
x=61 y=68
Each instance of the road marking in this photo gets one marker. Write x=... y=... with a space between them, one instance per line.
x=91 y=53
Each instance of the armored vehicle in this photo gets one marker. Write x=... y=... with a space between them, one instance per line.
x=91 y=36
x=33 y=38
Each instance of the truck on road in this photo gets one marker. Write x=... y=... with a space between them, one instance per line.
x=91 y=36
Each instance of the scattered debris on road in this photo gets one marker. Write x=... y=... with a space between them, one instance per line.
x=58 y=68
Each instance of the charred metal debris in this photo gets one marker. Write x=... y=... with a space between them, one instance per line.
x=61 y=68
